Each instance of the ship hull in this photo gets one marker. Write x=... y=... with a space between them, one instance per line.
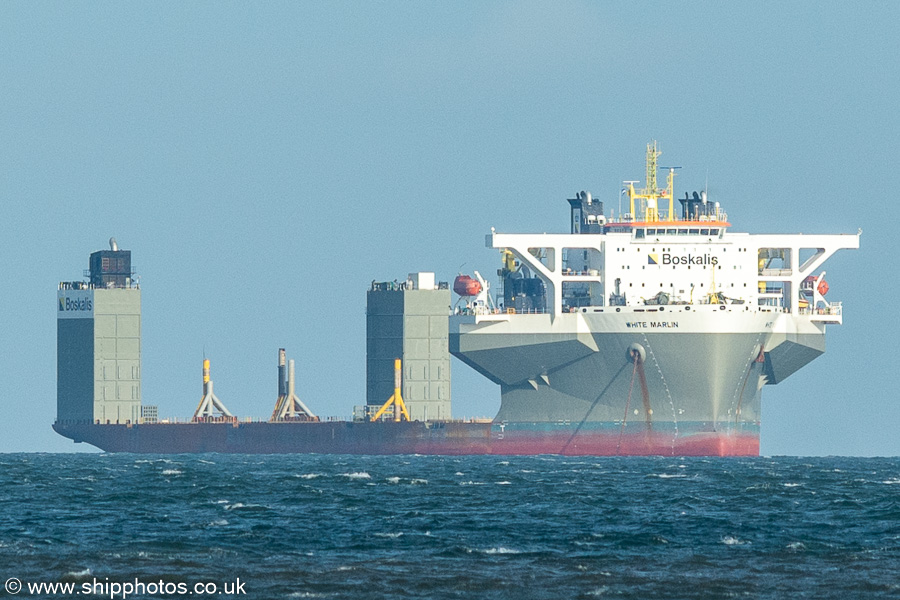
x=684 y=383
x=675 y=380
x=433 y=438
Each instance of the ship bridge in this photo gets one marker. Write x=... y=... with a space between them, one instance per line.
x=652 y=256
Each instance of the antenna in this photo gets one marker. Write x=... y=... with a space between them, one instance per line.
x=670 y=191
x=629 y=185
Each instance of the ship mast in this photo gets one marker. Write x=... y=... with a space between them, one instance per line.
x=651 y=194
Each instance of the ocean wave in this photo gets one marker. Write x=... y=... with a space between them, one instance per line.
x=358 y=475
x=84 y=573
x=499 y=550
x=261 y=518
x=730 y=540
x=246 y=507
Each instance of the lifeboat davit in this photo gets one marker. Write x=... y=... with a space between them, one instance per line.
x=811 y=281
x=466 y=286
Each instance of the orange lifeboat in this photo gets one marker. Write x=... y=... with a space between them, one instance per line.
x=810 y=281
x=466 y=286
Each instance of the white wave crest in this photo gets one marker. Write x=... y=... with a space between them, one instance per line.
x=730 y=540
x=500 y=550
x=79 y=574
x=242 y=506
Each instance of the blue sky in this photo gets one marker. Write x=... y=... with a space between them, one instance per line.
x=266 y=161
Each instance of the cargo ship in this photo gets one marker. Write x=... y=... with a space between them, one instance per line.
x=648 y=332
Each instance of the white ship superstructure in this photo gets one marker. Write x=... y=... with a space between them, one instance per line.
x=656 y=328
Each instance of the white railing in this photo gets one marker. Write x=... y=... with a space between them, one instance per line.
x=834 y=309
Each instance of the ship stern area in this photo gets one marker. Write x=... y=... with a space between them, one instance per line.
x=624 y=384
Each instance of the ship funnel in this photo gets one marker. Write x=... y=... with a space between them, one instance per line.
x=703 y=196
x=113 y=245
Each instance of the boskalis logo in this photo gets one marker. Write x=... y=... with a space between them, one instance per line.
x=75 y=304
x=688 y=259
x=652 y=259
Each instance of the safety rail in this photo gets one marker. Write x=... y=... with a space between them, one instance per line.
x=399 y=286
x=833 y=309
x=500 y=311
x=663 y=220
x=84 y=285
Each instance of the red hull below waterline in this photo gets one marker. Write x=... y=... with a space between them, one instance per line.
x=438 y=438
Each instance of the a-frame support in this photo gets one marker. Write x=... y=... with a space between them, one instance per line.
x=397 y=399
x=210 y=406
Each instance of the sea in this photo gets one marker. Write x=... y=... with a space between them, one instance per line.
x=392 y=527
